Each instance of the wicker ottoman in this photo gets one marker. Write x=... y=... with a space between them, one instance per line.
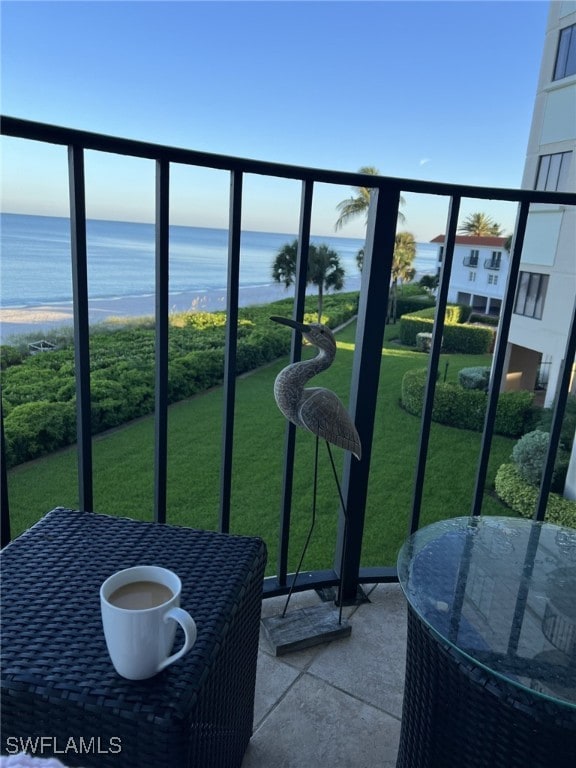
x=60 y=694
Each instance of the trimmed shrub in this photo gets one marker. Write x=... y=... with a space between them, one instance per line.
x=568 y=422
x=457 y=407
x=458 y=336
x=412 y=390
x=477 y=317
x=476 y=377
x=513 y=412
x=465 y=408
x=468 y=339
x=405 y=305
x=522 y=497
x=529 y=456
x=411 y=326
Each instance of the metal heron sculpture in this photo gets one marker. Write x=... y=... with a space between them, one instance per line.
x=317 y=409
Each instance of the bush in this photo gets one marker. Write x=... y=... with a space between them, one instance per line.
x=477 y=317
x=9 y=356
x=458 y=337
x=468 y=339
x=477 y=377
x=568 y=422
x=465 y=408
x=457 y=407
x=522 y=498
x=406 y=305
x=529 y=456
x=122 y=369
x=513 y=412
x=33 y=429
x=412 y=390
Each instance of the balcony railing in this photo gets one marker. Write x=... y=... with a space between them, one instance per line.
x=470 y=261
x=378 y=258
x=492 y=264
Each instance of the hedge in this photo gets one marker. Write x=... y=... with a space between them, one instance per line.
x=458 y=337
x=34 y=429
x=465 y=408
x=522 y=498
x=39 y=391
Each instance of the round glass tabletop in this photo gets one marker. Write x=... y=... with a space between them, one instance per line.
x=502 y=592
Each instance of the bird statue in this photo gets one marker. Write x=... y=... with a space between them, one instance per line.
x=317 y=409
x=320 y=411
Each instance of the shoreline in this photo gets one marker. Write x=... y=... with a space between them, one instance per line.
x=41 y=319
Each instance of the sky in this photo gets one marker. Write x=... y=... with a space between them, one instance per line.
x=440 y=91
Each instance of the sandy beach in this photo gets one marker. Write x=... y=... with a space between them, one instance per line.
x=40 y=320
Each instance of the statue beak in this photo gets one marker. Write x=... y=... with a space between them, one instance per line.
x=302 y=327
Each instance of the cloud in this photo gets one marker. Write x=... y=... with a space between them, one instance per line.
x=424 y=161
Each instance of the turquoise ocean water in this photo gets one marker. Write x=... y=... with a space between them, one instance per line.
x=35 y=259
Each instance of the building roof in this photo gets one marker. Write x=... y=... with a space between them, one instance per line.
x=474 y=240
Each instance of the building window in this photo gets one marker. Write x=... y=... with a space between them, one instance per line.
x=492 y=279
x=472 y=276
x=553 y=172
x=472 y=260
x=566 y=56
x=530 y=294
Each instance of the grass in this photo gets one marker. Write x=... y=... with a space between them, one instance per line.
x=123 y=465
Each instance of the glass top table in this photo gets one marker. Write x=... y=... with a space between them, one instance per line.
x=501 y=591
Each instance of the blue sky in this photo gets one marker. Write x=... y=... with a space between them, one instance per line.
x=442 y=91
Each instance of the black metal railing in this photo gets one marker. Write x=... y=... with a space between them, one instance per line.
x=376 y=273
x=492 y=264
x=470 y=261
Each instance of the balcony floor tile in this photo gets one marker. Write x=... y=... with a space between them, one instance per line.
x=336 y=704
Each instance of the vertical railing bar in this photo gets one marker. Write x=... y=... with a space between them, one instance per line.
x=437 y=332
x=498 y=359
x=234 y=238
x=371 y=323
x=81 y=324
x=161 y=366
x=295 y=355
x=4 y=504
x=562 y=388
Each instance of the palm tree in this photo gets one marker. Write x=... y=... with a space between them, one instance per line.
x=324 y=269
x=402 y=269
x=481 y=225
x=358 y=205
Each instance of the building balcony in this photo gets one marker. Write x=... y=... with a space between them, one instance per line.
x=470 y=261
x=493 y=264
x=338 y=703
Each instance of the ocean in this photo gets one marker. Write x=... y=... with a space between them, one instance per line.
x=35 y=260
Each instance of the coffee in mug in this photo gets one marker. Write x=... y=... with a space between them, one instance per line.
x=140 y=611
x=140 y=594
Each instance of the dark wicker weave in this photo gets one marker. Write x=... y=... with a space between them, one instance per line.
x=58 y=680
x=456 y=715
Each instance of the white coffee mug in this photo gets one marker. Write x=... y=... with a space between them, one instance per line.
x=140 y=609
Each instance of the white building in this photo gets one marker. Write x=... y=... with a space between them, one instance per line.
x=479 y=272
x=547 y=285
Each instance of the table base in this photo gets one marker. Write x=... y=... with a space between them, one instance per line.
x=455 y=714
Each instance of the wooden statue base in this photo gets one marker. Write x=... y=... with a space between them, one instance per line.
x=304 y=628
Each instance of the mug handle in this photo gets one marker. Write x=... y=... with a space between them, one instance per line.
x=189 y=626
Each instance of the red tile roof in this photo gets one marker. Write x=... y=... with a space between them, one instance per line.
x=474 y=240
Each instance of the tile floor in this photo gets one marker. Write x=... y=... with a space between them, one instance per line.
x=338 y=704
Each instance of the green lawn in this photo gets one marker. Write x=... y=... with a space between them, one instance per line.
x=123 y=465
